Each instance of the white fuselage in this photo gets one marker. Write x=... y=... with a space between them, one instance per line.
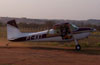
x=52 y=39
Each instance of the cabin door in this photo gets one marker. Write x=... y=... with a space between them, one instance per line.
x=65 y=31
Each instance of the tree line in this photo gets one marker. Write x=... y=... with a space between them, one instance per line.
x=48 y=24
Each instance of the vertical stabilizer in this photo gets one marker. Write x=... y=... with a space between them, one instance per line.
x=13 y=31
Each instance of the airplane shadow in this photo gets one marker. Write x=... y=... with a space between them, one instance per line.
x=86 y=51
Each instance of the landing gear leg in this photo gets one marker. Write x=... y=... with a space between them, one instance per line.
x=77 y=47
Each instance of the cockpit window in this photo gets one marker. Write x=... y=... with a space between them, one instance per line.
x=73 y=27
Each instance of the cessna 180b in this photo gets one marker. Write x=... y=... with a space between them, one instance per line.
x=59 y=33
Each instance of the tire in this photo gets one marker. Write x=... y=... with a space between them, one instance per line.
x=78 y=47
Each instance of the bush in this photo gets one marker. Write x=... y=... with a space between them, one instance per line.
x=98 y=44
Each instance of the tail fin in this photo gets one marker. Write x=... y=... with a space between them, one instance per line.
x=12 y=30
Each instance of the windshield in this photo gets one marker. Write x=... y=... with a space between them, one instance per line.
x=74 y=27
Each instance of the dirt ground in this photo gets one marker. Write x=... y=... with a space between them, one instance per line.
x=48 y=56
x=15 y=54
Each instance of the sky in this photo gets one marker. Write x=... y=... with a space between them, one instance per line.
x=51 y=9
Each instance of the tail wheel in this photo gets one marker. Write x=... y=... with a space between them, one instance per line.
x=78 y=47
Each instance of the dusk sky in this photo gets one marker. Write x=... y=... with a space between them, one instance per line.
x=51 y=9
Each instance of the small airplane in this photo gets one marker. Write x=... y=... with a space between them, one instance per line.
x=62 y=32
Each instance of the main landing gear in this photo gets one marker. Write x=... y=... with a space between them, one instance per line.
x=77 y=47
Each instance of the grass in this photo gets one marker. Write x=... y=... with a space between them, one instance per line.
x=86 y=44
x=6 y=64
x=97 y=33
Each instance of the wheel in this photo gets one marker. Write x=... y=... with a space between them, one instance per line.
x=78 y=47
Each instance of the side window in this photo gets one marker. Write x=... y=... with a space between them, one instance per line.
x=73 y=27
